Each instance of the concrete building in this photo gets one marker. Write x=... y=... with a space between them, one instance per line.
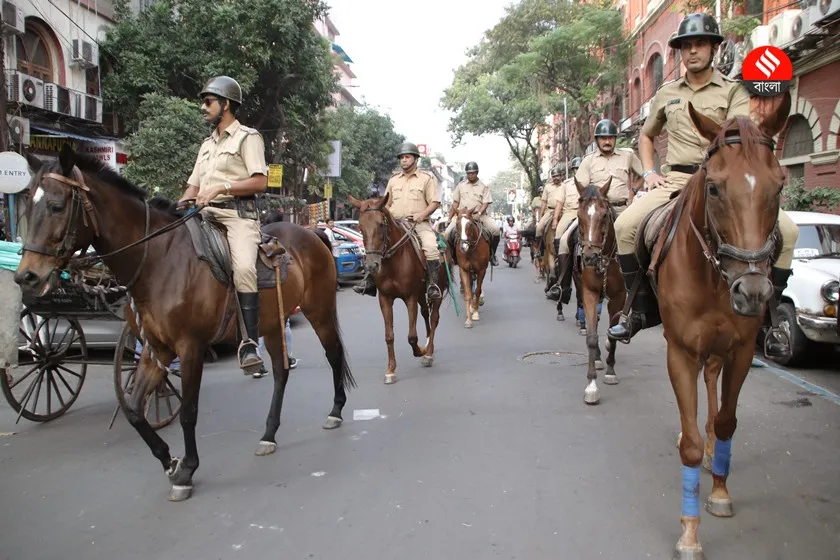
x=344 y=97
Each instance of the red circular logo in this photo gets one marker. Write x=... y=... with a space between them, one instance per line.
x=767 y=64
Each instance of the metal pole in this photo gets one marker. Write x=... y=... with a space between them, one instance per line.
x=566 y=136
x=9 y=217
x=717 y=11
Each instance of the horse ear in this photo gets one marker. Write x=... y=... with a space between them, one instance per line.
x=354 y=202
x=35 y=163
x=773 y=123
x=606 y=188
x=386 y=198
x=578 y=185
x=67 y=159
x=707 y=128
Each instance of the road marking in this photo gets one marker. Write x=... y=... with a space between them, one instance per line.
x=796 y=380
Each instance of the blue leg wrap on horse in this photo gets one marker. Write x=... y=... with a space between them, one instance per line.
x=723 y=455
x=691 y=491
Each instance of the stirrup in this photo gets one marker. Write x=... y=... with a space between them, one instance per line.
x=433 y=292
x=249 y=358
x=776 y=344
x=626 y=323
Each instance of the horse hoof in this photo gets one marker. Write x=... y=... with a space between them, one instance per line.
x=481 y=300
x=707 y=462
x=390 y=378
x=560 y=317
x=476 y=317
x=599 y=365
x=591 y=394
x=719 y=508
x=582 y=332
x=468 y=325
x=332 y=423
x=427 y=361
x=689 y=553
x=611 y=379
x=265 y=448
x=180 y=493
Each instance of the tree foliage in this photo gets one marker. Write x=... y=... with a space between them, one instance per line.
x=499 y=186
x=369 y=147
x=270 y=46
x=164 y=148
x=797 y=197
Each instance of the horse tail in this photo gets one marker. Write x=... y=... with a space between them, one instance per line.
x=341 y=365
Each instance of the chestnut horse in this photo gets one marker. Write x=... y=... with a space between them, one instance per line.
x=472 y=257
x=77 y=201
x=600 y=275
x=713 y=288
x=398 y=273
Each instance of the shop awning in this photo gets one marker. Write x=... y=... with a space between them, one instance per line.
x=340 y=52
x=64 y=133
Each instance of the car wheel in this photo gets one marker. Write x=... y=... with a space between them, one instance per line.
x=799 y=343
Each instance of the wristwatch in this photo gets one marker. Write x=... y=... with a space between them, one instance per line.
x=227 y=188
x=648 y=172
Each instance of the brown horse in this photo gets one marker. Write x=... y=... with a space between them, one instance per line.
x=473 y=257
x=600 y=275
x=399 y=274
x=713 y=289
x=78 y=202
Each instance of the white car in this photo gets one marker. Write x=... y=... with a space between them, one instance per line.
x=808 y=310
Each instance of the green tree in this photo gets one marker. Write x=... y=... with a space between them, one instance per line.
x=795 y=196
x=369 y=145
x=499 y=186
x=164 y=148
x=269 y=46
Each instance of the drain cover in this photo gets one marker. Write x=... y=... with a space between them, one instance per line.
x=556 y=358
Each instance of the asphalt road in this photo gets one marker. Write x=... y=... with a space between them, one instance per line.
x=489 y=454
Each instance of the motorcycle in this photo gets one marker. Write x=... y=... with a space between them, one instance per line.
x=512 y=247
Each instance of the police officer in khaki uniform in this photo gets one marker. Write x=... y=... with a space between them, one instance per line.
x=414 y=195
x=474 y=195
x=229 y=171
x=716 y=97
x=609 y=161
x=551 y=195
x=565 y=214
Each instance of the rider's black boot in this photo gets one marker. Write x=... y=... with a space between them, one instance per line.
x=249 y=357
x=367 y=287
x=777 y=342
x=432 y=289
x=644 y=307
x=494 y=244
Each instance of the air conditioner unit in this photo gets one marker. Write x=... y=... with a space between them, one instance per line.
x=829 y=10
x=644 y=110
x=26 y=89
x=18 y=130
x=85 y=54
x=13 y=22
x=786 y=28
x=760 y=37
x=57 y=99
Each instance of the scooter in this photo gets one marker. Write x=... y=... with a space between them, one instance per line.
x=512 y=246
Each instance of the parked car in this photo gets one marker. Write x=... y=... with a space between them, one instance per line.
x=349 y=224
x=808 y=310
x=349 y=258
x=344 y=234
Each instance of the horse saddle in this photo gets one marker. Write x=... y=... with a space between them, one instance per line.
x=656 y=233
x=211 y=246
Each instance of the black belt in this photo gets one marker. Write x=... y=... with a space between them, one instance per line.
x=620 y=203
x=687 y=169
x=231 y=204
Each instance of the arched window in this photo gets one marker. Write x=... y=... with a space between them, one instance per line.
x=676 y=72
x=799 y=141
x=655 y=72
x=34 y=55
x=636 y=95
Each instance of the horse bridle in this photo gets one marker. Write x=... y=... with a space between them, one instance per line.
x=597 y=258
x=471 y=243
x=387 y=252
x=711 y=236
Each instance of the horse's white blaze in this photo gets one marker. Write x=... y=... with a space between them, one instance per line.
x=463 y=228
x=591 y=213
x=39 y=194
x=750 y=180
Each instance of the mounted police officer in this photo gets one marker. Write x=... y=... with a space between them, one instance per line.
x=565 y=214
x=229 y=171
x=551 y=195
x=718 y=98
x=414 y=195
x=474 y=195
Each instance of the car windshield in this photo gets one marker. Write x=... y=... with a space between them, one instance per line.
x=818 y=241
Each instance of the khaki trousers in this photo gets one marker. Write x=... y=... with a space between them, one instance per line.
x=428 y=240
x=545 y=221
x=243 y=237
x=486 y=222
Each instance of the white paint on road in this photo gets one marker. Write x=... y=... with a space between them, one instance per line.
x=318 y=474
x=366 y=414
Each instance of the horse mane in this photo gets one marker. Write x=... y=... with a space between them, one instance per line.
x=106 y=174
x=590 y=193
x=743 y=127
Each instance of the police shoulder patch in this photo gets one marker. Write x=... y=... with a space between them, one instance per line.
x=249 y=130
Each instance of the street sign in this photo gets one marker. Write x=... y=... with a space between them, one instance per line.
x=328 y=191
x=275 y=175
x=334 y=160
x=423 y=149
x=511 y=196
x=14 y=172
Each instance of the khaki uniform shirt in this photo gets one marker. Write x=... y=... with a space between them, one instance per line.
x=571 y=197
x=472 y=195
x=536 y=202
x=719 y=99
x=411 y=193
x=237 y=154
x=552 y=194
x=596 y=169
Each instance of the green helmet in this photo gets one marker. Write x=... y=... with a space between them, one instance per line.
x=575 y=164
x=556 y=170
x=606 y=127
x=694 y=26
x=408 y=148
x=471 y=167
x=223 y=86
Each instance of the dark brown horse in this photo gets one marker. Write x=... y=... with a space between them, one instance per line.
x=399 y=274
x=77 y=202
x=472 y=256
x=600 y=275
x=713 y=290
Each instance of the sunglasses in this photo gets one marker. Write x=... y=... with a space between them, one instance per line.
x=207 y=101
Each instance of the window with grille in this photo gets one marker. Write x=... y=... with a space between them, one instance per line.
x=799 y=141
x=33 y=54
x=655 y=72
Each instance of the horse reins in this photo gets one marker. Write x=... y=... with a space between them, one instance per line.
x=387 y=252
x=711 y=236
